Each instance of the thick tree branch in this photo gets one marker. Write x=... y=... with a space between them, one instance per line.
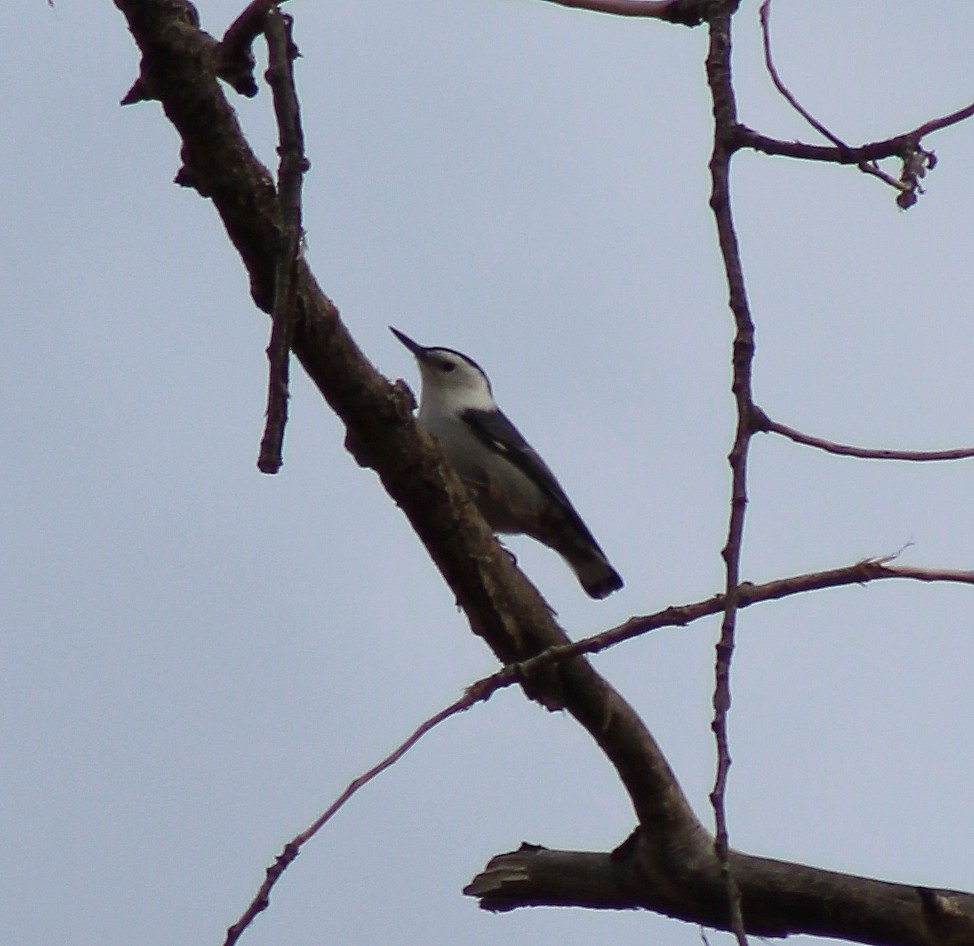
x=500 y=604
x=778 y=898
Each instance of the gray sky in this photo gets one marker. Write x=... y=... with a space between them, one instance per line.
x=198 y=658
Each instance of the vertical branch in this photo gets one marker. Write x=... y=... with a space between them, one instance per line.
x=280 y=75
x=725 y=143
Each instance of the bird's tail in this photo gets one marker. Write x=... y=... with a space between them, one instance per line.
x=574 y=543
x=596 y=575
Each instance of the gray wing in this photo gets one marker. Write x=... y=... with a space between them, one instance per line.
x=499 y=434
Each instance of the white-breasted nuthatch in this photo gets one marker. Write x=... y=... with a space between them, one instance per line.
x=509 y=483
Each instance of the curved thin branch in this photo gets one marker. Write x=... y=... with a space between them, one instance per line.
x=865 y=453
x=865 y=166
x=765 y=17
x=915 y=159
x=293 y=847
x=945 y=121
x=859 y=573
x=897 y=146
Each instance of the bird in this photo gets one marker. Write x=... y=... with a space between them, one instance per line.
x=510 y=484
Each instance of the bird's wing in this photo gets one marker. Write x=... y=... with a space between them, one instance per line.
x=499 y=434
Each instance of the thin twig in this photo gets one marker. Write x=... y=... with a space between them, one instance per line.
x=867 y=167
x=765 y=16
x=725 y=122
x=865 y=453
x=293 y=163
x=935 y=124
x=476 y=693
x=871 y=151
x=916 y=160
x=860 y=573
x=682 y=615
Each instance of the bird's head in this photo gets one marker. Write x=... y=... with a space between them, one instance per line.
x=451 y=381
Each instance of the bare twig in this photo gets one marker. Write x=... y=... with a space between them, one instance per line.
x=765 y=15
x=915 y=159
x=870 y=151
x=859 y=573
x=865 y=453
x=293 y=164
x=945 y=121
x=476 y=693
x=868 y=167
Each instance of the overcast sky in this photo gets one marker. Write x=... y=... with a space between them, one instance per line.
x=198 y=658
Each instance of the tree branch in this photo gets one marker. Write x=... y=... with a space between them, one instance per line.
x=290 y=176
x=915 y=159
x=293 y=847
x=866 y=453
x=592 y=879
x=725 y=121
x=671 y=856
x=500 y=604
x=236 y=57
x=765 y=17
x=905 y=146
x=860 y=573
x=779 y=899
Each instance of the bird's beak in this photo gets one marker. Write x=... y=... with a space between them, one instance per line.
x=417 y=349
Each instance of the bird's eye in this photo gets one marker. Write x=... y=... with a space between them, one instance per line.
x=447 y=366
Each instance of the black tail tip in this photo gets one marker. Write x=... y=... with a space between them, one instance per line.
x=604 y=584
